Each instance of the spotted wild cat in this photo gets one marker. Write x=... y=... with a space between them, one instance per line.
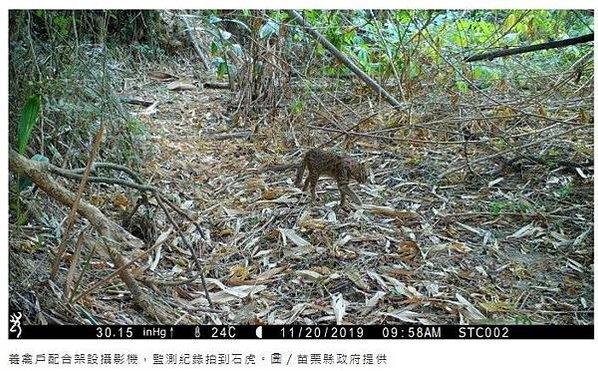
x=342 y=169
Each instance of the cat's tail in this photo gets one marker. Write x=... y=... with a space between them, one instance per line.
x=300 y=170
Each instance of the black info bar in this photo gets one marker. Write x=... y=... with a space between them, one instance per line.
x=280 y=332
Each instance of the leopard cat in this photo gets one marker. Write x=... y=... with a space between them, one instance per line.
x=342 y=169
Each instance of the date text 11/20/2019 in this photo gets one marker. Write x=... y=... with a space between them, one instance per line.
x=359 y=332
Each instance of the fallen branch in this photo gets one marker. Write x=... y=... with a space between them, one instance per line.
x=241 y=134
x=392 y=139
x=345 y=60
x=136 y=101
x=188 y=245
x=216 y=85
x=110 y=232
x=281 y=167
x=531 y=48
x=74 y=175
x=138 y=296
x=108 y=229
x=189 y=31
x=38 y=173
x=568 y=165
x=76 y=256
x=113 y=166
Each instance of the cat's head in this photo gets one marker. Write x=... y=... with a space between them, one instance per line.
x=359 y=172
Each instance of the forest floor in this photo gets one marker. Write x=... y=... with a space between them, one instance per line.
x=513 y=248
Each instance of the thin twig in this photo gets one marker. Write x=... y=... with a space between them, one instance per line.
x=112 y=166
x=512 y=149
x=365 y=135
x=73 y=175
x=76 y=256
x=71 y=217
x=116 y=272
x=187 y=244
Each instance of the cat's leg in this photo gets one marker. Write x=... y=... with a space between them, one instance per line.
x=345 y=190
x=299 y=176
x=341 y=189
x=313 y=181
x=307 y=180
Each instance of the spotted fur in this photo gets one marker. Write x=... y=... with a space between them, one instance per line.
x=342 y=169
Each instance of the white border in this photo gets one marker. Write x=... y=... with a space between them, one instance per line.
x=406 y=355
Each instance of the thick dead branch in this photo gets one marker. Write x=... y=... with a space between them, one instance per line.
x=109 y=230
x=28 y=168
x=570 y=166
x=189 y=30
x=109 y=165
x=136 y=101
x=72 y=174
x=216 y=85
x=531 y=48
x=388 y=138
x=76 y=256
x=39 y=172
x=235 y=135
x=138 y=296
x=188 y=245
x=345 y=60
x=281 y=167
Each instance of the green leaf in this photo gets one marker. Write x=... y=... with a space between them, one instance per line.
x=222 y=69
x=224 y=34
x=414 y=70
x=237 y=49
x=213 y=19
x=214 y=48
x=62 y=24
x=217 y=61
x=462 y=86
x=24 y=182
x=40 y=158
x=268 y=29
x=297 y=107
x=27 y=123
x=478 y=71
x=280 y=16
